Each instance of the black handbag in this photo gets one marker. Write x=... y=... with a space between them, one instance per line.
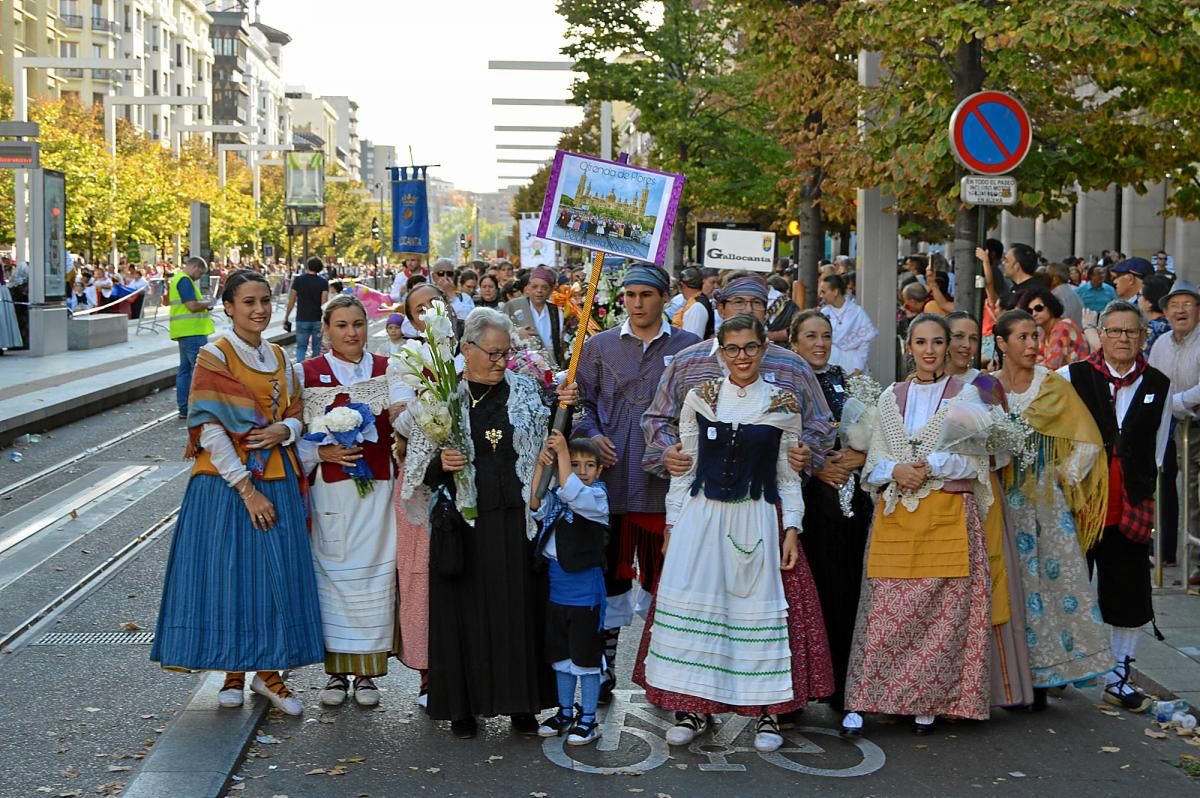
x=447 y=536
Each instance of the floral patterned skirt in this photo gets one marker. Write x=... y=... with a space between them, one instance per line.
x=923 y=646
x=1067 y=639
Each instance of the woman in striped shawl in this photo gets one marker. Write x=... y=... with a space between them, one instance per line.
x=239 y=592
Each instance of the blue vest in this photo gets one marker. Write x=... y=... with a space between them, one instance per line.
x=735 y=463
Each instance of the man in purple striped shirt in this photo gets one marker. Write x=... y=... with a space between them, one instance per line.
x=700 y=363
x=618 y=373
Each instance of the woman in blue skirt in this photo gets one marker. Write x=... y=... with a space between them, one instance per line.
x=240 y=593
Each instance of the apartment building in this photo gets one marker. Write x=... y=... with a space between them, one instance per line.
x=318 y=121
x=248 y=88
x=348 y=148
x=31 y=28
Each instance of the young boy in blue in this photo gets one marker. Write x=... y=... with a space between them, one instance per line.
x=573 y=536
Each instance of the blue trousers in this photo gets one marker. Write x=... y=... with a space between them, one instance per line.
x=306 y=332
x=189 y=350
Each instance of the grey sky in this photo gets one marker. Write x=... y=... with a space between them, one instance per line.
x=418 y=71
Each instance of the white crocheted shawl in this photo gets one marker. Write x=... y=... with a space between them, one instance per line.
x=890 y=441
x=528 y=415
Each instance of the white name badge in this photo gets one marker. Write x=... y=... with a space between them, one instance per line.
x=769 y=377
x=326 y=378
x=712 y=433
x=838 y=389
x=667 y=360
x=1149 y=399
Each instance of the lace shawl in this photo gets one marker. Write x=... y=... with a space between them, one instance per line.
x=891 y=442
x=528 y=416
x=373 y=393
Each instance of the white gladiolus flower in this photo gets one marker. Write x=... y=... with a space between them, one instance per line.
x=441 y=327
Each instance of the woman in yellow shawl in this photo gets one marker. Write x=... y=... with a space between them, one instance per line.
x=1056 y=499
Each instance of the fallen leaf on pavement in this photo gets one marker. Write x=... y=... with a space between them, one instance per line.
x=119 y=768
x=433 y=770
x=1109 y=749
x=316 y=772
x=353 y=760
x=1111 y=713
x=1156 y=735
x=131 y=626
x=920 y=746
x=636 y=789
x=70 y=773
x=237 y=787
x=1192 y=741
x=267 y=739
x=538 y=794
x=70 y=794
x=91 y=709
x=1016 y=774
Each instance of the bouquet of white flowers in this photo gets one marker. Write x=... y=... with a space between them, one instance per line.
x=348 y=425
x=1011 y=433
x=428 y=368
x=858 y=421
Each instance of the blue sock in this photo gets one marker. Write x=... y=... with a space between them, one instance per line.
x=566 y=691
x=589 y=688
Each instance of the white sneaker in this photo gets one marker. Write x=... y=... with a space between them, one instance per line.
x=852 y=724
x=423 y=700
x=366 y=694
x=288 y=704
x=687 y=726
x=231 y=699
x=333 y=694
x=766 y=734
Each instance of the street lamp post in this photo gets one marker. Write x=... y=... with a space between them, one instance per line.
x=21 y=114
x=251 y=150
x=110 y=134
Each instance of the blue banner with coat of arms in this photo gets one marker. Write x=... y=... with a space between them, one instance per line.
x=410 y=212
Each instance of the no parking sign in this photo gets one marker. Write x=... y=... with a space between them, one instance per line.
x=990 y=133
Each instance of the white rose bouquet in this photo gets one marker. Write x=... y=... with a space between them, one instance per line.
x=348 y=425
x=428 y=368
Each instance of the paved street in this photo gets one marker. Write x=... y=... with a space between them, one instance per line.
x=95 y=708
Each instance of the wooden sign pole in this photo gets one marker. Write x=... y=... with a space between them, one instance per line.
x=585 y=317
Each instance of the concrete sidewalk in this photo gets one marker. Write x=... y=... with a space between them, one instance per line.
x=38 y=393
x=1171 y=667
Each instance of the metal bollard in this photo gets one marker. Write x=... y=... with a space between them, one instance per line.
x=1185 y=508
x=1158 y=530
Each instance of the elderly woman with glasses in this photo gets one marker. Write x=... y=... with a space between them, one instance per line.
x=1062 y=342
x=736 y=623
x=484 y=639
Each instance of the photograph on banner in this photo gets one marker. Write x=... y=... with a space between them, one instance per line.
x=535 y=250
x=752 y=250
x=410 y=211
x=610 y=207
x=304 y=178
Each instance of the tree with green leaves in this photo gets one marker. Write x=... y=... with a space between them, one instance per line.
x=1110 y=87
x=675 y=62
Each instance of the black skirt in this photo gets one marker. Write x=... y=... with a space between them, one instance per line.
x=834 y=546
x=1121 y=569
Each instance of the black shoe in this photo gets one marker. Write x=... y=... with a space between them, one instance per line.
x=183 y=415
x=790 y=720
x=524 y=723
x=1123 y=694
x=464 y=729
x=557 y=724
x=607 y=684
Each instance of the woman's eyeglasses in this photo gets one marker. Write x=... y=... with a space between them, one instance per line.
x=1036 y=308
x=750 y=350
x=503 y=354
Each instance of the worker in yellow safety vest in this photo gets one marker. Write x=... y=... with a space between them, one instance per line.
x=190 y=324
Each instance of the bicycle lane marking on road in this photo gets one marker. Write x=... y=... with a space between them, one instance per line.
x=716 y=749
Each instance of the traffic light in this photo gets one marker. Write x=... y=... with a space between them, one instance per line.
x=374 y=227
x=462 y=240
x=333 y=241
